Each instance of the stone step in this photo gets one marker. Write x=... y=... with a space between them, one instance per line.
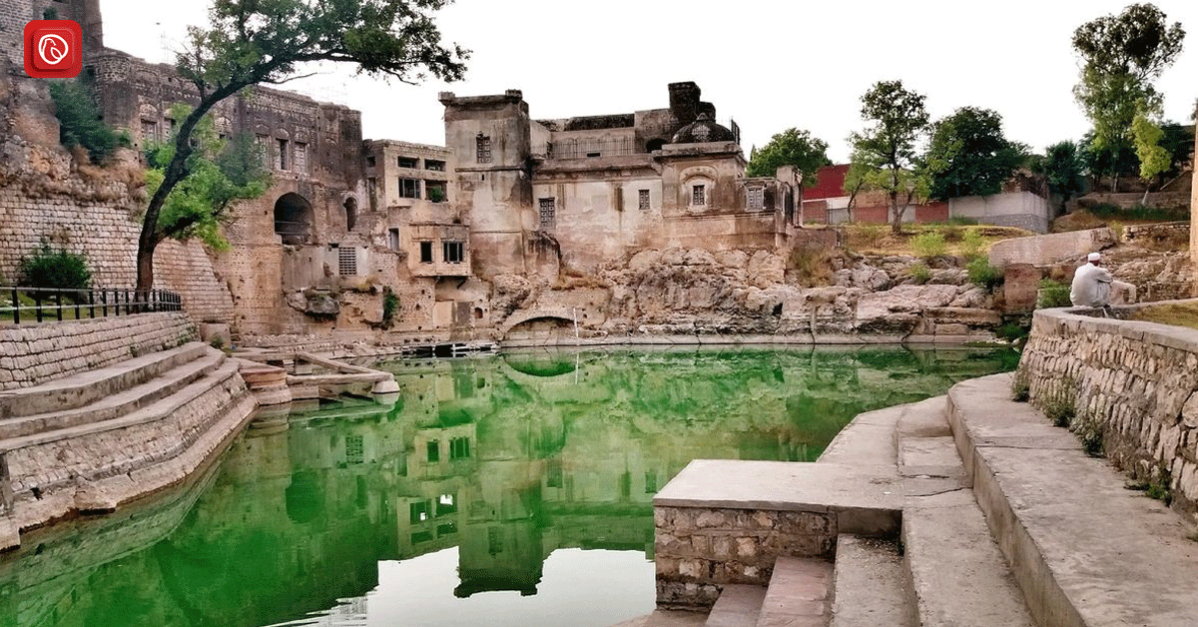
x=798 y=595
x=118 y=404
x=739 y=605
x=666 y=618
x=958 y=575
x=1086 y=550
x=154 y=411
x=871 y=585
x=84 y=388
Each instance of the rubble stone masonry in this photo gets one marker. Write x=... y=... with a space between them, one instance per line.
x=1135 y=381
x=33 y=354
x=699 y=550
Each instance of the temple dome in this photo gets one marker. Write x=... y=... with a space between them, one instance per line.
x=702 y=131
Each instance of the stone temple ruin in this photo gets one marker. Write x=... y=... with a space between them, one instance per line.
x=346 y=217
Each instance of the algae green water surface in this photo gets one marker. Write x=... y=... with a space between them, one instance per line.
x=511 y=490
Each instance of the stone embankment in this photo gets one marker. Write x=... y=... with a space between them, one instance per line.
x=98 y=424
x=1004 y=521
x=1133 y=387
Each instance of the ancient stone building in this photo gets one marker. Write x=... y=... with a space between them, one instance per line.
x=582 y=191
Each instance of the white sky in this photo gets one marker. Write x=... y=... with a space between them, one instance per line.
x=768 y=64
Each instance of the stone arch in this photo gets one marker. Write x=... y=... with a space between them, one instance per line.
x=351 y=213
x=293 y=218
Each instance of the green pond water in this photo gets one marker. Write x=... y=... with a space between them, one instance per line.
x=510 y=490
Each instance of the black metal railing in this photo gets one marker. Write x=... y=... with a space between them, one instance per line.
x=29 y=304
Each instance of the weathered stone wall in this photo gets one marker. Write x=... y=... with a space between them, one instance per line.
x=32 y=354
x=1043 y=250
x=1137 y=382
x=699 y=550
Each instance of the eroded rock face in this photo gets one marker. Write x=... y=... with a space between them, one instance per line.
x=316 y=303
x=734 y=292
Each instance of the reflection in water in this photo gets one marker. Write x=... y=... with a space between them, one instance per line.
x=486 y=472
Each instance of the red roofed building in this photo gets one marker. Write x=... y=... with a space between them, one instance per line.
x=1023 y=203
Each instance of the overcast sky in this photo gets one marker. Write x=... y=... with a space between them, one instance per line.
x=769 y=65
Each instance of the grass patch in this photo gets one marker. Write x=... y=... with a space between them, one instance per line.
x=1176 y=314
x=811 y=265
x=1052 y=294
x=877 y=238
x=920 y=273
x=1020 y=387
x=1138 y=213
x=1089 y=433
x=929 y=244
x=1059 y=404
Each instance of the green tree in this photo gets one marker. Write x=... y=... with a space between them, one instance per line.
x=1064 y=167
x=895 y=120
x=790 y=147
x=80 y=122
x=250 y=42
x=222 y=172
x=969 y=155
x=1154 y=158
x=1121 y=57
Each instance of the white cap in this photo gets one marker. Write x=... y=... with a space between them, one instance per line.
x=1093 y=257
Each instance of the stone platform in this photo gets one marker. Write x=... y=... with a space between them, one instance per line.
x=1002 y=520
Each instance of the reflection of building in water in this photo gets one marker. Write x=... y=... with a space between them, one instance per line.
x=507 y=458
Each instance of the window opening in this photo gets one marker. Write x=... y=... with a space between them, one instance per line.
x=407 y=162
x=282 y=162
x=347 y=261
x=699 y=195
x=482 y=148
x=548 y=213
x=409 y=188
x=643 y=199
x=393 y=238
x=426 y=252
x=452 y=252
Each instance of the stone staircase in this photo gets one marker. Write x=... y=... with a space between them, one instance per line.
x=1074 y=548
x=94 y=440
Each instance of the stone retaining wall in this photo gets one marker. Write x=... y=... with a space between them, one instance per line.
x=699 y=550
x=33 y=354
x=1136 y=383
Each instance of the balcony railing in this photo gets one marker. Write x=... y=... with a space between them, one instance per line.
x=24 y=305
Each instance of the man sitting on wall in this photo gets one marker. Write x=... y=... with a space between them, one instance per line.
x=1092 y=286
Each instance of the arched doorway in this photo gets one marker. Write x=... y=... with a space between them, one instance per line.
x=293 y=218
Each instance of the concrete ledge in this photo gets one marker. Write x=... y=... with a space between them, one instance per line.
x=1085 y=550
x=863 y=503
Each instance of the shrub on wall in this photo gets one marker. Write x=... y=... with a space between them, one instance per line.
x=55 y=269
x=80 y=121
x=1052 y=294
x=984 y=275
x=928 y=245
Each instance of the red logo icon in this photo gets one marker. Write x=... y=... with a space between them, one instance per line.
x=53 y=49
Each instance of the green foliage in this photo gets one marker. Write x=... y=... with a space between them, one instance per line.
x=1121 y=56
x=790 y=147
x=962 y=221
x=1052 y=294
x=972 y=244
x=885 y=151
x=1059 y=404
x=1159 y=487
x=1064 y=166
x=223 y=172
x=248 y=42
x=1147 y=136
x=929 y=244
x=984 y=275
x=50 y=13
x=920 y=273
x=1089 y=432
x=1138 y=213
x=55 y=269
x=969 y=155
x=1020 y=386
x=390 y=307
x=80 y=122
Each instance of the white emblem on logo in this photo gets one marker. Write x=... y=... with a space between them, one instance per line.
x=53 y=49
